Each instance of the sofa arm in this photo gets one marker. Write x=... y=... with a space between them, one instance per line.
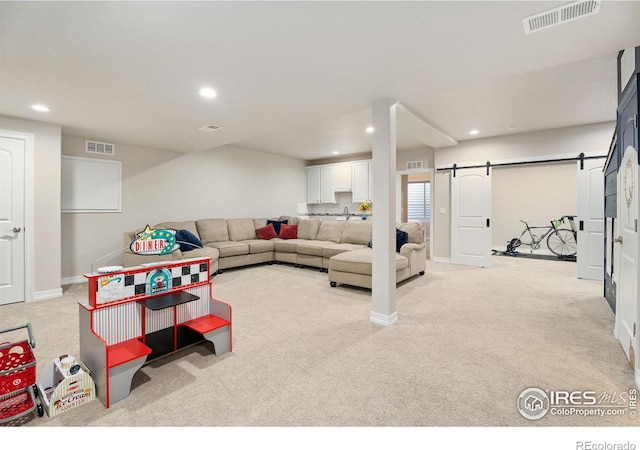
x=417 y=256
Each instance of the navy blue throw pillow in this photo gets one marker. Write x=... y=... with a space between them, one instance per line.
x=370 y=243
x=187 y=240
x=277 y=223
x=402 y=237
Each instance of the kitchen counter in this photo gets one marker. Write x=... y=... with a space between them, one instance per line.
x=334 y=216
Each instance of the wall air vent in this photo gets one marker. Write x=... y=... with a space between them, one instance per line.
x=99 y=148
x=560 y=15
x=414 y=165
x=210 y=128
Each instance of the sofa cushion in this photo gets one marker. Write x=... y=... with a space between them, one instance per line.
x=335 y=249
x=230 y=248
x=313 y=248
x=212 y=230
x=357 y=232
x=187 y=240
x=205 y=251
x=287 y=245
x=277 y=224
x=288 y=231
x=267 y=232
x=308 y=228
x=359 y=261
x=414 y=230
x=259 y=223
x=241 y=229
x=259 y=246
x=188 y=225
x=331 y=230
x=291 y=220
x=402 y=237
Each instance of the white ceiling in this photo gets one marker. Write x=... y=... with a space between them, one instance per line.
x=298 y=78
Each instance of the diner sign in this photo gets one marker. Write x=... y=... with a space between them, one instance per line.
x=154 y=242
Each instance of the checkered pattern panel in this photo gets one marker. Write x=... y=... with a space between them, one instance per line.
x=181 y=276
x=185 y=275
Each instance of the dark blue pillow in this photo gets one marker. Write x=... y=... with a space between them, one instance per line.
x=402 y=237
x=277 y=223
x=187 y=240
x=370 y=243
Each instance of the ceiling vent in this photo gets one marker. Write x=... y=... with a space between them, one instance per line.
x=414 y=165
x=210 y=128
x=560 y=15
x=99 y=148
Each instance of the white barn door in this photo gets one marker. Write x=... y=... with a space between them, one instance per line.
x=590 y=256
x=471 y=217
x=627 y=290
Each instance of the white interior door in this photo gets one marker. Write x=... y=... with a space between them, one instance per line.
x=627 y=288
x=590 y=256
x=471 y=217
x=12 y=257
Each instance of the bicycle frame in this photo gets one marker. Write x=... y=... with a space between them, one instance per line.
x=535 y=240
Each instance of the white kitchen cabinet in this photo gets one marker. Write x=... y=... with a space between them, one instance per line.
x=343 y=177
x=313 y=185
x=362 y=181
x=320 y=184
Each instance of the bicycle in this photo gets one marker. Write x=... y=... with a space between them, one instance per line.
x=562 y=242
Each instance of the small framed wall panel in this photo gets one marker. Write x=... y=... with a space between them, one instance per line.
x=91 y=185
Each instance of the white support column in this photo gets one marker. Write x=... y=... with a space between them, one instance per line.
x=383 y=293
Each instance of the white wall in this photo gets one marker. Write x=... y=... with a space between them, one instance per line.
x=46 y=205
x=163 y=186
x=537 y=193
x=424 y=154
x=592 y=140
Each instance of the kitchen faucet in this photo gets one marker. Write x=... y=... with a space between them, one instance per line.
x=346 y=210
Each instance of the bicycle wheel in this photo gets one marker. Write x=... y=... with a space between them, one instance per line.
x=562 y=243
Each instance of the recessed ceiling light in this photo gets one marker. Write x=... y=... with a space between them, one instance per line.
x=474 y=132
x=335 y=152
x=207 y=92
x=370 y=129
x=41 y=108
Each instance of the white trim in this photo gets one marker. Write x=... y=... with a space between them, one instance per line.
x=73 y=280
x=383 y=319
x=440 y=259
x=67 y=205
x=43 y=295
x=29 y=220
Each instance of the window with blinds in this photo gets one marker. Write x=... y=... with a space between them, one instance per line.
x=419 y=200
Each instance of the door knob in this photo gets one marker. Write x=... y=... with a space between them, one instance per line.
x=16 y=229
x=618 y=240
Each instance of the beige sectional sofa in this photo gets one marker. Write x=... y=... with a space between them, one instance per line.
x=337 y=247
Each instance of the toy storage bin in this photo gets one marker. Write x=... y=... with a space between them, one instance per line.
x=65 y=383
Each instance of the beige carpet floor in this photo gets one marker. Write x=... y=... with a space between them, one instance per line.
x=468 y=341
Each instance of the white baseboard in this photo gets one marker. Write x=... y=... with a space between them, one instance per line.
x=384 y=319
x=440 y=259
x=73 y=280
x=43 y=295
